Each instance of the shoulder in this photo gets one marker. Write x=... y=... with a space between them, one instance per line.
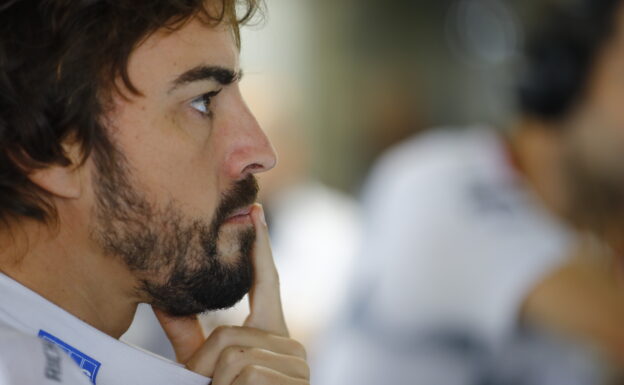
x=453 y=193
x=434 y=160
x=435 y=148
x=440 y=174
x=26 y=359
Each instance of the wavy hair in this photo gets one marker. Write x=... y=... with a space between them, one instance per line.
x=59 y=61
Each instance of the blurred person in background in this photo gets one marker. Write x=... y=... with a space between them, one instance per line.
x=491 y=258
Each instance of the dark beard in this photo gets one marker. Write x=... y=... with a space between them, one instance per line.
x=176 y=257
x=211 y=287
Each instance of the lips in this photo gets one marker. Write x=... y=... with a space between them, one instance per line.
x=240 y=213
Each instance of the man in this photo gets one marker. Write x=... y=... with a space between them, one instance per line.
x=474 y=248
x=128 y=163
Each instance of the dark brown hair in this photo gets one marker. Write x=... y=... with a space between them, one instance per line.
x=560 y=52
x=59 y=59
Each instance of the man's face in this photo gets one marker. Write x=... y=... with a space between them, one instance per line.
x=172 y=200
x=594 y=144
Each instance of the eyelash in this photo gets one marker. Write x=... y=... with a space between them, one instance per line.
x=202 y=103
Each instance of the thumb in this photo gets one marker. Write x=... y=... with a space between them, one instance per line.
x=265 y=302
x=185 y=333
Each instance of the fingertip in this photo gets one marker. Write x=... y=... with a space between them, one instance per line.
x=258 y=212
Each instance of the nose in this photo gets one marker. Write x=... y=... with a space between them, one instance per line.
x=251 y=151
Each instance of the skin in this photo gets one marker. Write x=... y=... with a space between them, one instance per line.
x=260 y=351
x=582 y=298
x=176 y=152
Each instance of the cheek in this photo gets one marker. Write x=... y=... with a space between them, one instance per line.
x=168 y=164
x=188 y=179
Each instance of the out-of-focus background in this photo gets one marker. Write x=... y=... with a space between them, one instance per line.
x=338 y=83
x=356 y=77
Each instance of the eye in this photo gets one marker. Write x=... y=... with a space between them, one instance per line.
x=202 y=103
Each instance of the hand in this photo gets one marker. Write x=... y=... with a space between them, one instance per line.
x=258 y=353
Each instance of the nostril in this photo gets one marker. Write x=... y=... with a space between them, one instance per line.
x=254 y=168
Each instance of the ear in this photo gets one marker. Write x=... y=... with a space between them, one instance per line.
x=61 y=181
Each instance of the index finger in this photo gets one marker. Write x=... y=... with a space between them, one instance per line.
x=265 y=302
x=185 y=334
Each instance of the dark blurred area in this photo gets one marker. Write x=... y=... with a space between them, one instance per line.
x=390 y=69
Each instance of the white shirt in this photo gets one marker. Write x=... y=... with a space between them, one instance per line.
x=103 y=360
x=455 y=240
x=26 y=360
x=314 y=232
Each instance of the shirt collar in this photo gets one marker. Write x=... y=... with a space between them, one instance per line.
x=119 y=363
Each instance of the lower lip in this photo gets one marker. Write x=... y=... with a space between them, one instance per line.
x=241 y=219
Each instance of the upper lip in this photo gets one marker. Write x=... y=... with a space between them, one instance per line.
x=240 y=212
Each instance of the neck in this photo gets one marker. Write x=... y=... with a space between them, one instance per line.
x=98 y=290
x=537 y=152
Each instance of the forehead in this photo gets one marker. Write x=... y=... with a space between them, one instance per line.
x=165 y=54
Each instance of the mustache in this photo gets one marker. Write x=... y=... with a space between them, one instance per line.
x=243 y=193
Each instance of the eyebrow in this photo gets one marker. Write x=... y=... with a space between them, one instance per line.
x=221 y=75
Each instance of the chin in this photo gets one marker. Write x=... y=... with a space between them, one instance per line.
x=218 y=284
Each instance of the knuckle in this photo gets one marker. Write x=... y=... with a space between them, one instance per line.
x=251 y=374
x=233 y=354
x=256 y=354
x=221 y=335
x=296 y=348
x=222 y=330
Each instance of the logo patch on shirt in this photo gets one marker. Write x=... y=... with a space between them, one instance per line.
x=89 y=366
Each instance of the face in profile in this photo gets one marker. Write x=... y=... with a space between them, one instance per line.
x=173 y=199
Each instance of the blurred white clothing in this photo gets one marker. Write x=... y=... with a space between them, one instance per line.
x=315 y=231
x=454 y=242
